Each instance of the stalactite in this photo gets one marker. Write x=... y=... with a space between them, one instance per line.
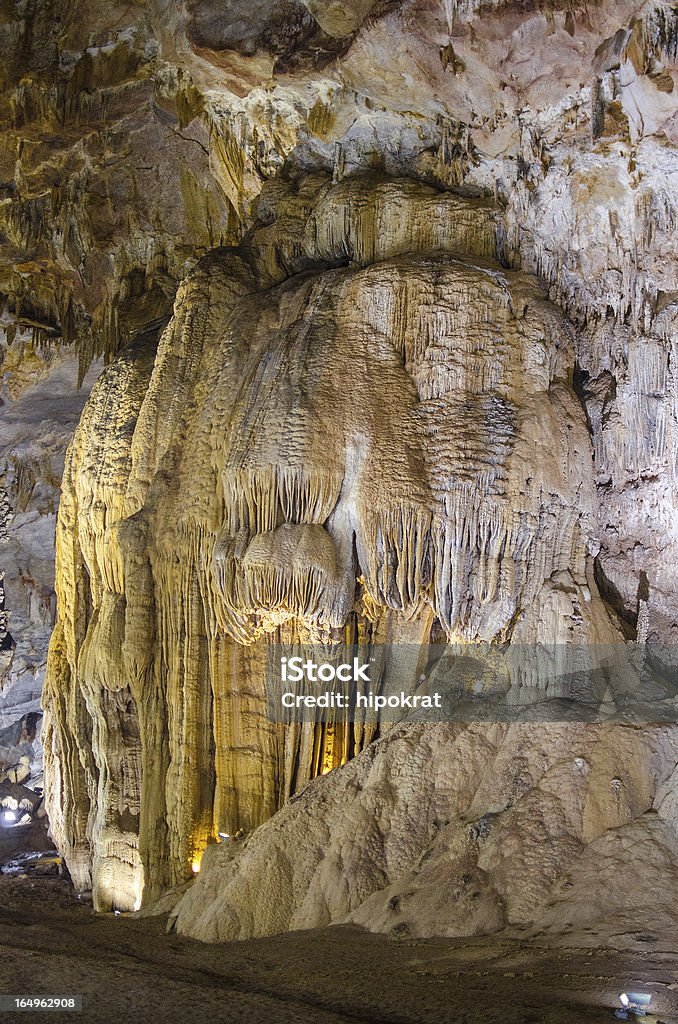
x=348 y=454
x=259 y=499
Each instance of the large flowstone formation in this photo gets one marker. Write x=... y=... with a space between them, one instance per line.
x=363 y=426
x=358 y=427
x=553 y=832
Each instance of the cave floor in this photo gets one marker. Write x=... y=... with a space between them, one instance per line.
x=130 y=969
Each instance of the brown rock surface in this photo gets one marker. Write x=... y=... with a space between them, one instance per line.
x=245 y=483
x=367 y=421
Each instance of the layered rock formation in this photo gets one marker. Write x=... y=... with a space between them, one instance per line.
x=382 y=444
x=365 y=422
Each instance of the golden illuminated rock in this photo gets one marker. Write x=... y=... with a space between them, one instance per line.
x=386 y=429
x=339 y=406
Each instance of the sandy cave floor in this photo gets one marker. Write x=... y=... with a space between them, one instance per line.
x=130 y=970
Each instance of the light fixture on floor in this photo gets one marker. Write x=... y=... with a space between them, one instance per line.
x=635 y=1003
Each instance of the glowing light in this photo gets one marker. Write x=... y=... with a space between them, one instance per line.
x=637 y=1000
x=200 y=842
x=633 y=1002
x=9 y=816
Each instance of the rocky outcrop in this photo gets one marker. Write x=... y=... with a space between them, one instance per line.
x=372 y=450
x=452 y=830
x=39 y=409
x=135 y=141
x=417 y=262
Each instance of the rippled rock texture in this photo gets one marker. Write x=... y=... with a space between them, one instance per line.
x=387 y=293
x=384 y=445
x=39 y=410
x=547 y=830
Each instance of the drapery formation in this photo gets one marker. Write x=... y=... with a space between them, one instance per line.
x=357 y=426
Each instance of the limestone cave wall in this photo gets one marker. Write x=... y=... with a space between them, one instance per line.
x=382 y=444
x=387 y=297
